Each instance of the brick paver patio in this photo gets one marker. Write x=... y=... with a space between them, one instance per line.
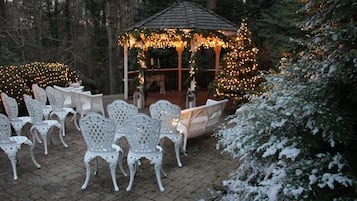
x=62 y=173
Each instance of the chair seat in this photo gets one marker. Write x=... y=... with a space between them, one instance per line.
x=21 y=140
x=18 y=123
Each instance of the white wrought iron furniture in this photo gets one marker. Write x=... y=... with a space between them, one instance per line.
x=98 y=133
x=12 y=111
x=120 y=111
x=39 y=125
x=169 y=115
x=92 y=102
x=143 y=134
x=40 y=95
x=67 y=94
x=56 y=100
x=11 y=144
x=86 y=102
x=200 y=120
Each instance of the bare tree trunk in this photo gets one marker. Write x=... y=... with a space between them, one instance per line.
x=2 y=12
x=109 y=26
x=38 y=21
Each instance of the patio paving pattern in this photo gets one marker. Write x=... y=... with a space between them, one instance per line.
x=63 y=172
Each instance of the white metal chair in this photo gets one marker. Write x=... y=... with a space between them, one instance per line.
x=143 y=134
x=56 y=100
x=39 y=125
x=10 y=145
x=169 y=116
x=40 y=95
x=120 y=111
x=12 y=111
x=98 y=133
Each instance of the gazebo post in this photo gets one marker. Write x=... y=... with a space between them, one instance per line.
x=217 y=51
x=179 y=50
x=126 y=91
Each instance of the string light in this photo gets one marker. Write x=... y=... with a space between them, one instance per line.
x=166 y=38
x=17 y=80
x=240 y=74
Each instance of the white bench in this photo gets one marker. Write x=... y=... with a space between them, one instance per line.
x=200 y=120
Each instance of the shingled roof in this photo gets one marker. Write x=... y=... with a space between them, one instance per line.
x=185 y=15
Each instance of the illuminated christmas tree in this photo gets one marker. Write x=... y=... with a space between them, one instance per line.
x=239 y=76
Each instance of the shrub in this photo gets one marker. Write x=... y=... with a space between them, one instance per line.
x=295 y=139
x=17 y=80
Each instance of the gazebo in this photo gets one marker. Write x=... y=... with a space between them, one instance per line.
x=183 y=25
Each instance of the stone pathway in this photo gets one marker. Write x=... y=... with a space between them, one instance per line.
x=62 y=173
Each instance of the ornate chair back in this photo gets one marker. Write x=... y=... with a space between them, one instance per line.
x=143 y=133
x=55 y=98
x=39 y=94
x=120 y=111
x=10 y=106
x=167 y=113
x=5 y=129
x=98 y=132
x=34 y=109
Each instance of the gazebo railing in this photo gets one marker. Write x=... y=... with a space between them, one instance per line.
x=203 y=78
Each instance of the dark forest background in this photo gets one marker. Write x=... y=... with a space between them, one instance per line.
x=83 y=33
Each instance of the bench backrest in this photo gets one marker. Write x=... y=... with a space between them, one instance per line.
x=201 y=119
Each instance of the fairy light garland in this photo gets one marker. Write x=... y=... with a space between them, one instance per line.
x=17 y=80
x=168 y=38
x=239 y=76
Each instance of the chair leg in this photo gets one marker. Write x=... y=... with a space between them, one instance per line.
x=87 y=159
x=96 y=166
x=184 y=143
x=32 y=155
x=178 y=145
x=121 y=164
x=112 y=167
x=42 y=130
x=61 y=137
x=11 y=154
x=63 y=124
x=76 y=121
x=131 y=163
x=157 y=167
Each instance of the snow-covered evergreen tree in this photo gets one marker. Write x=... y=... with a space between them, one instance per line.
x=294 y=141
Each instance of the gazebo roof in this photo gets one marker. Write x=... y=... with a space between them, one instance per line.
x=185 y=15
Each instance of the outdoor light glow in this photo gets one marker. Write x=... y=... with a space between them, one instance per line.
x=167 y=38
x=239 y=75
x=16 y=81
